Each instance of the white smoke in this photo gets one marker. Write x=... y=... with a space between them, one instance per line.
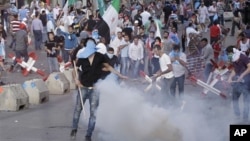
x=124 y=114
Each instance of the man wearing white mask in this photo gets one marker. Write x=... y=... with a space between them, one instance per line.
x=101 y=46
x=240 y=80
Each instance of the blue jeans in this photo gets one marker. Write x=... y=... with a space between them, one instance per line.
x=44 y=34
x=65 y=55
x=38 y=36
x=135 y=65
x=211 y=18
x=53 y=64
x=93 y=97
x=238 y=89
x=208 y=70
x=124 y=65
x=165 y=88
x=221 y=19
x=180 y=82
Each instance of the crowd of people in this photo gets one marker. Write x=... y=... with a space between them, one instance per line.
x=134 y=46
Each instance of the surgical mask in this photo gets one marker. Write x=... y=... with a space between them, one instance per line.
x=230 y=57
x=110 y=55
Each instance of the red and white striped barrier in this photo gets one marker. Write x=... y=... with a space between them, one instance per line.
x=207 y=86
x=29 y=65
x=150 y=81
x=62 y=65
x=217 y=75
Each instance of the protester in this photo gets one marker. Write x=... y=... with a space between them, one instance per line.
x=70 y=42
x=91 y=64
x=207 y=55
x=240 y=81
x=166 y=72
x=52 y=52
x=179 y=62
x=21 y=45
x=36 y=29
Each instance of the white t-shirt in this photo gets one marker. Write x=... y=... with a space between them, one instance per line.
x=203 y=11
x=56 y=12
x=145 y=15
x=178 y=68
x=244 y=46
x=164 y=61
x=115 y=44
x=212 y=8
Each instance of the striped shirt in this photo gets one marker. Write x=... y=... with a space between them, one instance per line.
x=15 y=24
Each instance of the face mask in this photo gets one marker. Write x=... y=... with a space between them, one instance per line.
x=230 y=57
x=110 y=55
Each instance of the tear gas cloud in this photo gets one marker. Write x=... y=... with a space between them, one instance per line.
x=126 y=114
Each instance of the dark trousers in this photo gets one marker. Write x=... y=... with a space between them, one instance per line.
x=178 y=81
x=234 y=23
x=20 y=54
x=211 y=18
x=221 y=19
x=38 y=37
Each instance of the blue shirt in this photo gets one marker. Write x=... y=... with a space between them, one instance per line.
x=70 y=39
x=23 y=14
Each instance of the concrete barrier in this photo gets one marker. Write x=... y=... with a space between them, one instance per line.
x=69 y=75
x=57 y=83
x=13 y=98
x=37 y=91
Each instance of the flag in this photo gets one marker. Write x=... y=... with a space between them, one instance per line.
x=71 y=2
x=108 y=22
x=65 y=14
x=101 y=7
x=111 y=15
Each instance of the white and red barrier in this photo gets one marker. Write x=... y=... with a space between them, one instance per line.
x=217 y=75
x=62 y=65
x=207 y=86
x=150 y=81
x=29 y=65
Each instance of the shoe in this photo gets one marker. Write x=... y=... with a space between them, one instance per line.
x=73 y=134
x=11 y=68
x=87 y=138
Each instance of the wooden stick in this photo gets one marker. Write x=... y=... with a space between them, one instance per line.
x=79 y=90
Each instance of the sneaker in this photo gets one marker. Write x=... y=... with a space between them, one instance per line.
x=73 y=134
x=87 y=138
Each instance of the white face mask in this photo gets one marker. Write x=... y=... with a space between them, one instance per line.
x=110 y=55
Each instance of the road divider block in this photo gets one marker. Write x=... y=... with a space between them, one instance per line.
x=37 y=91
x=57 y=83
x=13 y=98
x=69 y=75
